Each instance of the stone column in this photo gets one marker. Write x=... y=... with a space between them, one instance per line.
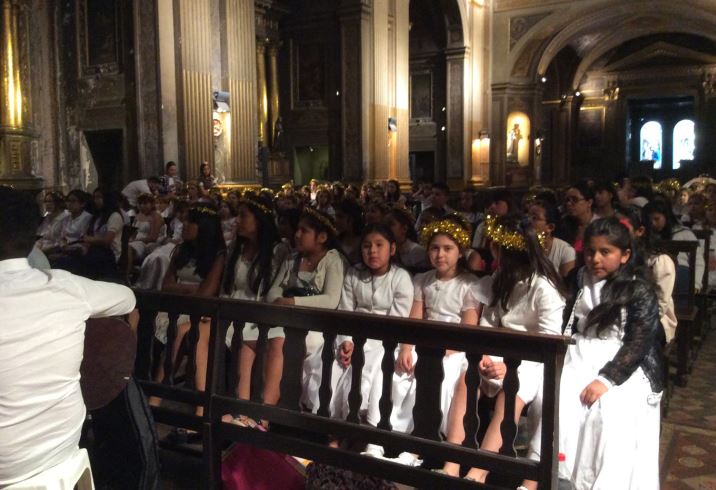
x=194 y=91
x=240 y=79
x=354 y=19
x=274 y=109
x=262 y=92
x=16 y=134
x=402 y=90
x=456 y=120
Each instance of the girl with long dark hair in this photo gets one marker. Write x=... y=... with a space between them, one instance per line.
x=612 y=380
x=250 y=271
x=528 y=296
x=312 y=276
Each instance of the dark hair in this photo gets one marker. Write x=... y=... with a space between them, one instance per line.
x=80 y=195
x=170 y=164
x=521 y=265
x=154 y=179
x=19 y=219
x=208 y=245
x=584 y=189
x=548 y=197
x=383 y=230
x=660 y=206
x=643 y=187
x=404 y=219
x=551 y=214
x=605 y=185
x=319 y=226
x=260 y=272
x=58 y=200
x=353 y=210
x=110 y=205
x=618 y=291
x=146 y=198
x=395 y=197
x=648 y=244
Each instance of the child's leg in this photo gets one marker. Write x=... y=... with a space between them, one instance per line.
x=202 y=359
x=246 y=363
x=493 y=438
x=273 y=371
x=456 y=429
x=182 y=330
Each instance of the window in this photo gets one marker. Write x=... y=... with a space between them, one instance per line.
x=683 y=142
x=650 y=143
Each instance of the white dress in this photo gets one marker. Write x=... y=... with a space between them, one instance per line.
x=140 y=247
x=616 y=440
x=156 y=264
x=390 y=294
x=535 y=306
x=443 y=301
x=50 y=230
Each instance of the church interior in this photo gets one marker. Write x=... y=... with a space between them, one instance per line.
x=492 y=102
x=476 y=93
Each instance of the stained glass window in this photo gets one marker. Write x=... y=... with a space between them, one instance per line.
x=683 y=141
x=650 y=139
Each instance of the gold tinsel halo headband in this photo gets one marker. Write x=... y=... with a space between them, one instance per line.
x=256 y=205
x=510 y=240
x=461 y=220
x=322 y=219
x=668 y=185
x=205 y=210
x=445 y=227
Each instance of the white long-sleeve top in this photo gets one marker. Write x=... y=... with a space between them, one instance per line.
x=42 y=326
x=535 y=306
x=326 y=278
x=390 y=294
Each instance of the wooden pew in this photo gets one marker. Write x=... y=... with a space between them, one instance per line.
x=298 y=432
x=703 y=299
x=686 y=309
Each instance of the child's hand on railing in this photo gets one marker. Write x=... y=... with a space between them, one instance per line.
x=404 y=363
x=492 y=370
x=345 y=351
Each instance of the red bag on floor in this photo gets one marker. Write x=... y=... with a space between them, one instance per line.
x=248 y=467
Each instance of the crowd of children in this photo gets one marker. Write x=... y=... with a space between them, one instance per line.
x=583 y=262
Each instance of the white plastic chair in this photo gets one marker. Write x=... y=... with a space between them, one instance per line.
x=75 y=470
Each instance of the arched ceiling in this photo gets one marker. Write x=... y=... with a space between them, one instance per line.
x=593 y=28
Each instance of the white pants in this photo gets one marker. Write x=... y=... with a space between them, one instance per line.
x=615 y=442
x=531 y=376
x=312 y=374
x=371 y=385
x=405 y=385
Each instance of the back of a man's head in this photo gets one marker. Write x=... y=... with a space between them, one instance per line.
x=19 y=219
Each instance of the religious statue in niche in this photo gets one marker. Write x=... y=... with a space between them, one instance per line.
x=514 y=136
x=277 y=140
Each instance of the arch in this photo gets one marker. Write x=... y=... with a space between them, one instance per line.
x=626 y=20
x=456 y=22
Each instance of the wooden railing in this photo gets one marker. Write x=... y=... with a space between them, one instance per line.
x=295 y=432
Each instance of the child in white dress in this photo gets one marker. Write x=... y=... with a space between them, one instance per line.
x=379 y=287
x=313 y=276
x=445 y=294
x=612 y=381
x=526 y=296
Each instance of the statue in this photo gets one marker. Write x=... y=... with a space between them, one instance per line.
x=277 y=139
x=513 y=143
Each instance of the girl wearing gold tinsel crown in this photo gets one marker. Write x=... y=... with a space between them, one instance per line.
x=526 y=296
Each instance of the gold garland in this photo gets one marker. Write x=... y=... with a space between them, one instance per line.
x=668 y=185
x=510 y=240
x=445 y=227
x=322 y=219
x=255 y=204
x=205 y=210
x=461 y=220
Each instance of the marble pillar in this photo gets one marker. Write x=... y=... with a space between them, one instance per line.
x=16 y=133
x=456 y=59
x=274 y=107
x=240 y=80
x=194 y=90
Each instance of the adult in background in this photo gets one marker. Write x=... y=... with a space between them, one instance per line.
x=136 y=188
x=169 y=182
x=206 y=180
x=42 y=318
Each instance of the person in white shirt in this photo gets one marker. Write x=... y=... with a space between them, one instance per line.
x=42 y=318
x=136 y=188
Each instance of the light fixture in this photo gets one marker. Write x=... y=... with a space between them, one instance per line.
x=577 y=93
x=543 y=79
x=221 y=101
x=338 y=92
x=442 y=128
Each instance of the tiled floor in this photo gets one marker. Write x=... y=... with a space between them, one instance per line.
x=688 y=439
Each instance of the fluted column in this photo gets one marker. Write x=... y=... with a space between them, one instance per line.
x=262 y=91
x=16 y=135
x=274 y=108
x=402 y=91
x=195 y=104
x=241 y=83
